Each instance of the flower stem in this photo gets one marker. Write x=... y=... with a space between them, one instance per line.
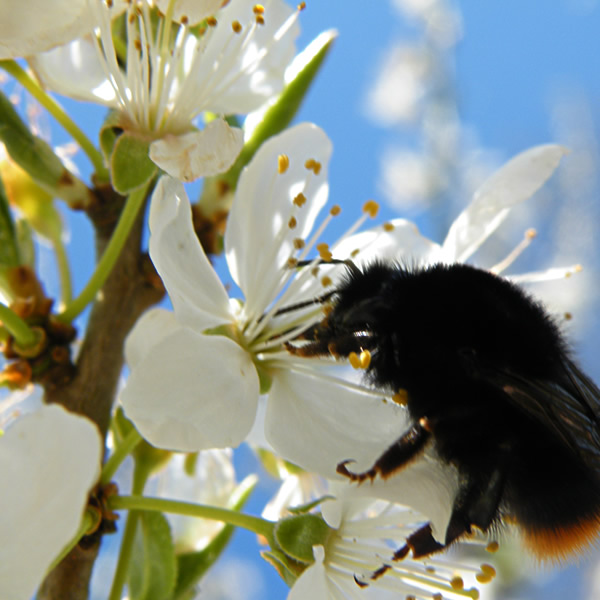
x=23 y=334
x=140 y=475
x=122 y=451
x=232 y=517
x=33 y=87
x=109 y=258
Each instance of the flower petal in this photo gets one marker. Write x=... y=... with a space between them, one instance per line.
x=238 y=72
x=151 y=328
x=316 y=422
x=49 y=460
x=198 y=153
x=191 y=392
x=75 y=71
x=198 y=296
x=313 y=582
x=31 y=26
x=515 y=182
x=258 y=240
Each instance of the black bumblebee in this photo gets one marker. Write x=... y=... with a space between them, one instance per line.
x=488 y=379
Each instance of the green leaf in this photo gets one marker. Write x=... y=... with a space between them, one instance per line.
x=298 y=534
x=279 y=115
x=36 y=157
x=130 y=165
x=191 y=566
x=153 y=570
x=9 y=247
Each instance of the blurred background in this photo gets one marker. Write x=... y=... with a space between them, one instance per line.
x=423 y=99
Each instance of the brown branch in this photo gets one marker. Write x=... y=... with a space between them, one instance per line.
x=131 y=288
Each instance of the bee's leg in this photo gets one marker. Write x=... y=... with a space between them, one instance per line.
x=477 y=503
x=397 y=456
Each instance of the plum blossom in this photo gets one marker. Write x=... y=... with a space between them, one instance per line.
x=198 y=57
x=197 y=372
x=357 y=561
x=49 y=460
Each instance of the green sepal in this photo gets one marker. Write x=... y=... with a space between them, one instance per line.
x=109 y=132
x=130 y=165
x=305 y=508
x=298 y=534
x=288 y=569
x=153 y=570
x=9 y=246
x=24 y=233
x=191 y=566
x=275 y=120
x=36 y=157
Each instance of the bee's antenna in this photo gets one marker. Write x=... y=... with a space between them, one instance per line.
x=334 y=261
x=298 y=305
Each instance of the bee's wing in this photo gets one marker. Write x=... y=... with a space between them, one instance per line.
x=569 y=407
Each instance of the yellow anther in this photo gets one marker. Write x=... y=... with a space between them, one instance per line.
x=488 y=569
x=211 y=21
x=335 y=210
x=260 y=20
x=354 y=360
x=568 y=316
x=530 y=234
x=300 y=199
x=365 y=359
x=371 y=208
x=315 y=271
x=401 y=397
x=437 y=596
x=388 y=227
x=292 y=223
x=492 y=547
x=301 y=6
x=138 y=45
x=354 y=253
x=236 y=26
x=324 y=252
x=313 y=165
x=326 y=281
x=283 y=162
x=483 y=578
x=184 y=19
x=292 y=262
x=457 y=583
x=258 y=9
x=410 y=597
x=299 y=243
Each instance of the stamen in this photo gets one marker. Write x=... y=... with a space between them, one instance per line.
x=292 y=223
x=492 y=547
x=211 y=21
x=301 y=6
x=335 y=210
x=324 y=252
x=388 y=227
x=283 y=162
x=258 y=9
x=371 y=208
x=260 y=20
x=292 y=262
x=300 y=200
x=354 y=360
x=365 y=359
x=530 y=234
x=401 y=397
x=457 y=583
x=236 y=26
x=298 y=243
x=547 y=275
x=184 y=19
x=326 y=281
x=313 y=165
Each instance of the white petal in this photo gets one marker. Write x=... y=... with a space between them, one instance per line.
x=515 y=182
x=192 y=392
x=398 y=240
x=75 y=71
x=49 y=460
x=258 y=241
x=317 y=423
x=31 y=26
x=198 y=153
x=152 y=327
x=242 y=75
x=194 y=10
x=313 y=583
x=198 y=296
